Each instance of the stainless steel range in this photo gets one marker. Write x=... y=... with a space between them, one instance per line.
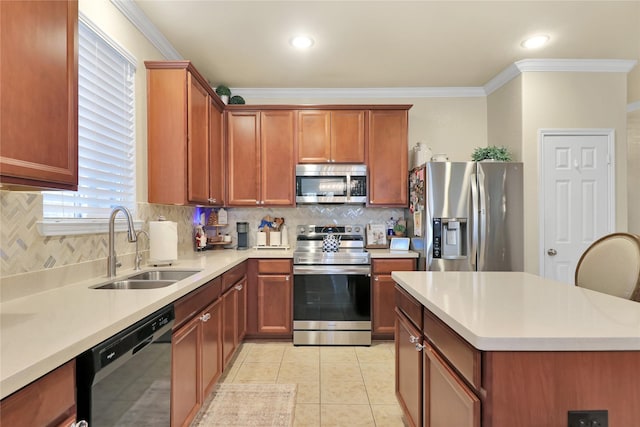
x=332 y=286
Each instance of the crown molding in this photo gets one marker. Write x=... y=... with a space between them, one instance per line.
x=387 y=92
x=558 y=65
x=133 y=13
x=634 y=106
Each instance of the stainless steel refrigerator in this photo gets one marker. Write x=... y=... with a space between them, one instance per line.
x=467 y=216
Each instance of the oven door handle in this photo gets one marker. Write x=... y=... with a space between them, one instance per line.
x=332 y=269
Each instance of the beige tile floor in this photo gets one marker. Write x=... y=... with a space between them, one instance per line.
x=337 y=386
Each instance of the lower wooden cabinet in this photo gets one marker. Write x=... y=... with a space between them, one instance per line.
x=408 y=369
x=229 y=324
x=234 y=314
x=48 y=401
x=270 y=309
x=211 y=347
x=196 y=355
x=447 y=399
x=185 y=372
x=382 y=295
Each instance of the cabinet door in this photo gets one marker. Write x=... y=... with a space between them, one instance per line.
x=197 y=141
x=277 y=161
x=211 y=346
x=48 y=401
x=388 y=158
x=216 y=157
x=314 y=142
x=448 y=401
x=241 y=328
x=408 y=370
x=382 y=300
x=229 y=325
x=243 y=142
x=347 y=136
x=185 y=373
x=274 y=304
x=383 y=295
x=39 y=102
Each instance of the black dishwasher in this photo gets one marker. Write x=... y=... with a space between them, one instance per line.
x=126 y=379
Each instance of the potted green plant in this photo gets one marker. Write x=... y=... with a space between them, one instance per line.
x=492 y=152
x=224 y=93
x=236 y=99
x=399 y=229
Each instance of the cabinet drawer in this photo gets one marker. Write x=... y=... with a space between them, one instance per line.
x=409 y=306
x=460 y=354
x=194 y=302
x=274 y=266
x=232 y=276
x=386 y=266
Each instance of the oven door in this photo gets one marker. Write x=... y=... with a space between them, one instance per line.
x=332 y=305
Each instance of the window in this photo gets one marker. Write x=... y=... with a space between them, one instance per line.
x=106 y=133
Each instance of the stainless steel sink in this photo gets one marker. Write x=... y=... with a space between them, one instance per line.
x=152 y=279
x=164 y=275
x=136 y=284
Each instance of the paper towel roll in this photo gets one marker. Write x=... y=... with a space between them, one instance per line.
x=163 y=242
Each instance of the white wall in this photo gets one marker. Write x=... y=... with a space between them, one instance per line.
x=633 y=162
x=504 y=118
x=570 y=100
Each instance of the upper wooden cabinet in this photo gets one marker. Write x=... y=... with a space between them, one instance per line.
x=180 y=107
x=260 y=158
x=39 y=102
x=388 y=158
x=217 y=165
x=331 y=136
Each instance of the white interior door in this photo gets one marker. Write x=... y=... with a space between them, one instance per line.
x=577 y=197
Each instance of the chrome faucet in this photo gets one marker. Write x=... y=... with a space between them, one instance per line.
x=112 y=261
x=138 y=254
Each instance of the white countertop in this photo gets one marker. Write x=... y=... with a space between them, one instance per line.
x=41 y=331
x=502 y=311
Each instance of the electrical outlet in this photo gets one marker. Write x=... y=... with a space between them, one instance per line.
x=588 y=419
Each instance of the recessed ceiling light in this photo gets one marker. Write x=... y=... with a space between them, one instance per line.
x=535 y=42
x=302 y=42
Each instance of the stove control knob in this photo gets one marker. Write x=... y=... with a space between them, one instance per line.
x=348 y=229
x=357 y=230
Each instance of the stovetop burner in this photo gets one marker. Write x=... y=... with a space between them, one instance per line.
x=351 y=249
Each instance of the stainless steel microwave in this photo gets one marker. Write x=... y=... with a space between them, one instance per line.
x=319 y=183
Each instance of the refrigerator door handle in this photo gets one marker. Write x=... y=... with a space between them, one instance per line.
x=473 y=218
x=482 y=221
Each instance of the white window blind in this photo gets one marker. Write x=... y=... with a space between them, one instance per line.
x=106 y=131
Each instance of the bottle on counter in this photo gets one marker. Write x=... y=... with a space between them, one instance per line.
x=390 y=224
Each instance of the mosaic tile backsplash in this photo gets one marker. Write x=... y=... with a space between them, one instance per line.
x=23 y=249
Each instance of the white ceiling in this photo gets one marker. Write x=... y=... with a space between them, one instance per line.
x=386 y=44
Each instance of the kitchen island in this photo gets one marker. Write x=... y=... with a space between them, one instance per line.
x=513 y=349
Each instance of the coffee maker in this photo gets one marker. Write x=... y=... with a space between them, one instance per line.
x=243 y=235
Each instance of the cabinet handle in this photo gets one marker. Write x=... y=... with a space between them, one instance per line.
x=262 y=202
x=419 y=347
x=238 y=287
x=205 y=317
x=257 y=202
x=81 y=423
x=375 y=278
x=413 y=339
x=287 y=278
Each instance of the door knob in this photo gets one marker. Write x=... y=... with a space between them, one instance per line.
x=552 y=252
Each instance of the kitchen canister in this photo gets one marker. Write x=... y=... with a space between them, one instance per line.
x=261 y=238
x=163 y=242
x=421 y=154
x=275 y=238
